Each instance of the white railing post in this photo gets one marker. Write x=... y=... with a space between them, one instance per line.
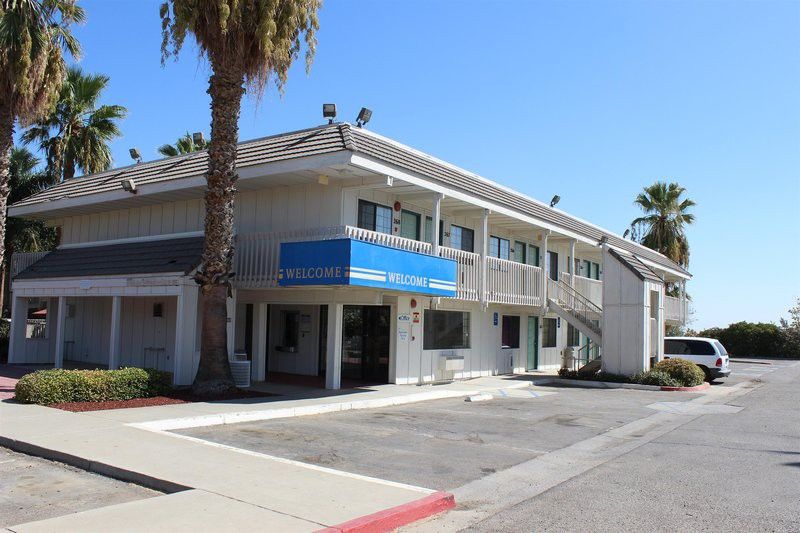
x=484 y=254
x=545 y=266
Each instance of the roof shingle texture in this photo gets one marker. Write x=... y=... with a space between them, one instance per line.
x=149 y=257
x=333 y=138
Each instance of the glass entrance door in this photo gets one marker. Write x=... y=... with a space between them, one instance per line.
x=533 y=343
x=365 y=343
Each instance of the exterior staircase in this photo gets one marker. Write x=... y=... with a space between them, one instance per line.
x=576 y=309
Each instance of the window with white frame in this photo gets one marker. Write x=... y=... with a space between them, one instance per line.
x=499 y=247
x=446 y=330
x=374 y=217
x=462 y=238
x=429 y=230
x=409 y=224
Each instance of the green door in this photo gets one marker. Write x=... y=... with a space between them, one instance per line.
x=533 y=343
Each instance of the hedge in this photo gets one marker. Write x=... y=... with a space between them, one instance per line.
x=686 y=373
x=46 y=387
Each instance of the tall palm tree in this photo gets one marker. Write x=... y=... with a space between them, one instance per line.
x=34 y=35
x=184 y=145
x=77 y=133
x=247 y=43
x=666 y=215
x=24 y=235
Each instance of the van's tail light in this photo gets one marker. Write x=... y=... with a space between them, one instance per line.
x=719 y=361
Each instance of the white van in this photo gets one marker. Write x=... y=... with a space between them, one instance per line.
x=709 y=354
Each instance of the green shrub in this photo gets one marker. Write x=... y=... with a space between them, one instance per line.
x=47 y=387
x=686 y=373
x=655 y=377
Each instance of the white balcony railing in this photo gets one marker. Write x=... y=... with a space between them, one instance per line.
x=257 y=261
x=468 y=273
x=590 y=288
x=509 y=282
x=675 y=311
x=21 y=261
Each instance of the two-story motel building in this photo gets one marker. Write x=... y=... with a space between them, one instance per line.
x=357 y=258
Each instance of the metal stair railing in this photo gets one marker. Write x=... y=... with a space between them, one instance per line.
x=575 y=304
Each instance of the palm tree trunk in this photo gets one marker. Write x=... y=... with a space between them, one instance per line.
x=225 y=87
x=6 y=142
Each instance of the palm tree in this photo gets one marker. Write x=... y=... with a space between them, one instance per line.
x=184 y=145
x=247 y=43
x=662 y=226
x=34 y=35
x=77 y=133
x=24 y=235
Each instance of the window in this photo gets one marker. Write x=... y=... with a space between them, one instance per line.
x=552 y=265
x=499 y=247
x=688 y=347
x=590 y=270
x=573 y=336
x=446 y=330
x=462 y=238
x=720 y=348
x=533 y=255
x=374 y=217
x=409 y=225
x=549 y=328
x=429 y=231
x=520 y=252
x=36 y=323
x=158 y=310
x=510 y=331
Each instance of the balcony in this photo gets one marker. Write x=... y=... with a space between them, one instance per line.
x=257 y=264
x=675 y=311
x=592 y=289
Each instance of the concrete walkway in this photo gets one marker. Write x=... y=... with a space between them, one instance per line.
x=213 y=486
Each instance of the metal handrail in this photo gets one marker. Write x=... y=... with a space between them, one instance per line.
x=575 y=303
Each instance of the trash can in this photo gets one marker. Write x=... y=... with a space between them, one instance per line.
x=240 y=368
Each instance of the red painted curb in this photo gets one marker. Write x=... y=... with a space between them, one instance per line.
x=394 y=517
x=703 y=386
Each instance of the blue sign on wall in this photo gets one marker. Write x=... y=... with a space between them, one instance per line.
x=364 y=264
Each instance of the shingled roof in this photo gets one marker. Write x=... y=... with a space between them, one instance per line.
x=146 y=257
x=338 y=137
x=635 y=265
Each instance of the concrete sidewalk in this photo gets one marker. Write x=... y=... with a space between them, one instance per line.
x=223 y=488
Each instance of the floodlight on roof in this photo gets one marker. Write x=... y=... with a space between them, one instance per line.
x=129 y=185
x=555 y=200
x=329 y=112
x=603 y=240
x=627 y=232
x=363 y=117
x=135 y=155
x=197 y=138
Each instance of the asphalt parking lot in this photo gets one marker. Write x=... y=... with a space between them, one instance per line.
x=35 y=489
x=443 y=444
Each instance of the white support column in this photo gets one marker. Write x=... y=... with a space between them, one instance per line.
x=58 y=360
x=571 y=265
x=16 y=341
x=684 y=311
x=333 y=362
x=484 y=255
x=231 y=303
x=114 y=342
x=258 y=370
x=437 y=217
x=545 y=265
x=185 y=334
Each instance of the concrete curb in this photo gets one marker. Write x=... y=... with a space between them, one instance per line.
x=634 y=386
x=702 y=386
x=103 y=469
x=395 y=517
x=171 y=424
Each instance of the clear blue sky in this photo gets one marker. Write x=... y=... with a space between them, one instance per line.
x=590 y=100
